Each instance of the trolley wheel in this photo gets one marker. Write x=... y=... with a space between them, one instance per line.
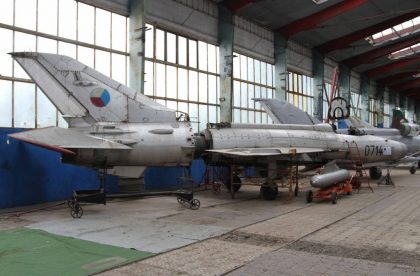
x=194 y=204
x=296 y=190
x=180 y=200
x=309 y=196
x=334 y=197
x=413 y=170
x=349 y=193
x=76 y=211
x=269 y=193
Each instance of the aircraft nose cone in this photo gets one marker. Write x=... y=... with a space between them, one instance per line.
x=400 y=150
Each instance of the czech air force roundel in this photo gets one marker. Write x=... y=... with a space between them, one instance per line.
x=100 y=97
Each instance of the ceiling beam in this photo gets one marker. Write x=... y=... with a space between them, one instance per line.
x=407 y=85
x=315 y=19
x=398 y=77
x=391 y=66
x=382 y=51
x=346 y=40
x=236 y=5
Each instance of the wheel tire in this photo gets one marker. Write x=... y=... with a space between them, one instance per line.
x=296 y=190
x=309 y=196
x=413 y=170
x=348 y=193
x=375 y=173
x=269 y=193
x=195 y=204
x=76 y=211
x=236 y=187
x=334 y=198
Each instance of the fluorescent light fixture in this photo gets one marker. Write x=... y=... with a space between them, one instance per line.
x=319 y=1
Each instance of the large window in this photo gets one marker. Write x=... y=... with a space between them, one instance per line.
x=355 y=103
x=373 y=112
x=183 y=74
x=300 y=92
x=252 y=78
x=95 y=37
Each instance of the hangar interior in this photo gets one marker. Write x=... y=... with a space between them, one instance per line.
x=211 y=58
x=208 y=59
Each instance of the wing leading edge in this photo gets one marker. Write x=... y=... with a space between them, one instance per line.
x=64 y=140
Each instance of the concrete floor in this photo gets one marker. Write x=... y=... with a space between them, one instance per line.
x=364 y=234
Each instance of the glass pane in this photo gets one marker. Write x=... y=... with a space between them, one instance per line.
x=119 y=26
x=193 y=86
x=171 y=84
x=263 y=73
x=244 y=116
x=149 y=41
x=61 y=122
x=118 y=68
x=251 y=117
x=85 y=26
x=212 y=89
x=202 y=84
x=85 y=56
x=244 y=95
x=193 y=112
x=236 y=66
x=202 y=115
x=171 y=105
x=103 y=28
x=148 y=78
x=46 y=45
x=182 y=84
x=24 y=105
x=257 y=71
x=202 y=56
x=5 y=103
x=257 y=96
x=160 y=44
x=244 y=65
x=171 y=47
x=217 y=60
x=23 y=43
x=251 y=96
x=103 y=62
x=6 y=46
x=183 y=107
x=236 y=94
x=212 y=58
x=67 y=19
x=250 y=69
x=47 y=16
x=67 y=49
x=236 y=115
x=182 y=51
x=212 y=114
x=192 y=49
x=258 y=117
x=25 y=14
x=46 y=112
x=270 y=75
x=6 y=12
x=160 y=80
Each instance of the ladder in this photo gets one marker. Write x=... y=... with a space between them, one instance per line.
x=357 y=161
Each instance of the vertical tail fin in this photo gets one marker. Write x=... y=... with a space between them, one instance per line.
x=397 y=119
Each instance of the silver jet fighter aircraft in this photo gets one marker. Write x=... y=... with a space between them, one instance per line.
x=401 y=130
x=112 y=125
x=109 y=123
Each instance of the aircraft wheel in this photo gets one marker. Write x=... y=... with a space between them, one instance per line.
x=375 y=173
x=309 y=196
x=269 y=193
x=334 y=198
x=236 y=187
x=413 y=170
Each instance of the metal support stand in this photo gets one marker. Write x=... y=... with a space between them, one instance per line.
x=386 y=180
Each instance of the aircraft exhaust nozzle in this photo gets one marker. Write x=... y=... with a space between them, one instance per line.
x=328 y=179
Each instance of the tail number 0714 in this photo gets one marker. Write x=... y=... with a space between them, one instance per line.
x=371 y=150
